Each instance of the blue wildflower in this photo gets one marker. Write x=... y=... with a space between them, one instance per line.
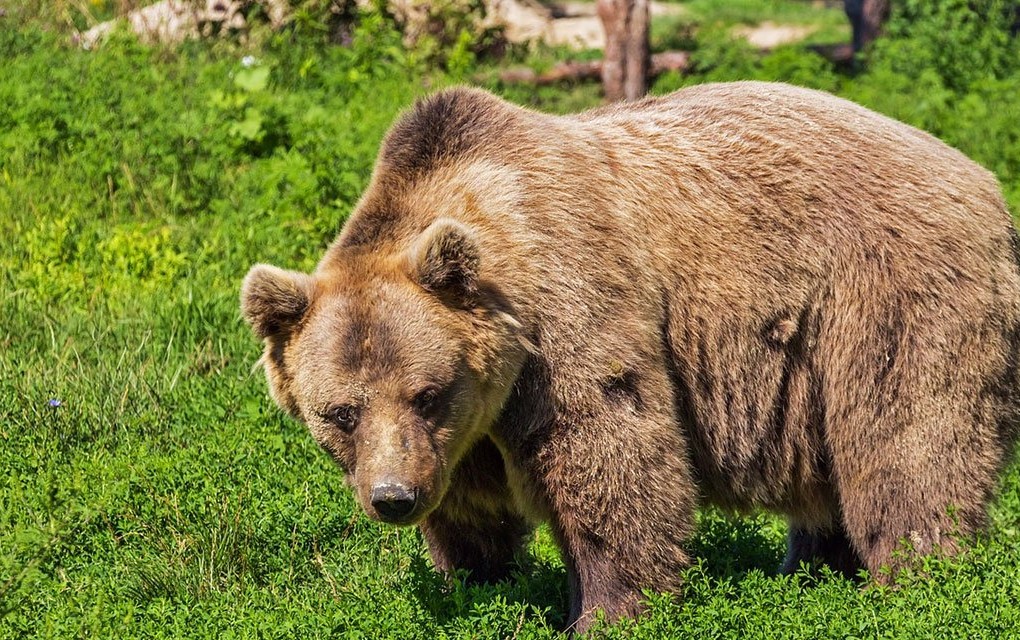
x=54 y=403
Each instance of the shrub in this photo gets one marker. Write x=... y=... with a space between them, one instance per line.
x=962 y=41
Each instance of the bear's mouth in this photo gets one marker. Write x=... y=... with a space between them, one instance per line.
x=405 y=521
x=410 y=518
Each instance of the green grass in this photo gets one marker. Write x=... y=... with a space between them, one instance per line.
x=167 y=497
x=758 y=11
x=828 y=21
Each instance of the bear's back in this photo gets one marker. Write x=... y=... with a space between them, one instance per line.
x=798 y=185
x=775 y=141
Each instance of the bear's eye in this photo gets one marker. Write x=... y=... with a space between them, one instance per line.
x=425 y=401
x=343 y=417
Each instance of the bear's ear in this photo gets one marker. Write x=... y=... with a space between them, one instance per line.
x=274 y=300
x=445 y=259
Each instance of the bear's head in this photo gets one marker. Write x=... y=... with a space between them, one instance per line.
x=398 y=361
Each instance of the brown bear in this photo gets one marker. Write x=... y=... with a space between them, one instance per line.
x=749 y=295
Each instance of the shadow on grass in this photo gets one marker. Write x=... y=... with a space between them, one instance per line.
x=729 y=548
x=539 y=585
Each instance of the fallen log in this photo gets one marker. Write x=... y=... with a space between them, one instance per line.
x=573 y=71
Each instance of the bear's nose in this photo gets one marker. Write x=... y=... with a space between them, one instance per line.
x=393 y=501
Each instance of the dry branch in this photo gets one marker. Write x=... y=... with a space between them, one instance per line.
x=592 y=70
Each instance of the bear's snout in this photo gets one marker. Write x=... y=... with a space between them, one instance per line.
x=393 y=501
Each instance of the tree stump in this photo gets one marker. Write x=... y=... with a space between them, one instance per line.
x=625 y=65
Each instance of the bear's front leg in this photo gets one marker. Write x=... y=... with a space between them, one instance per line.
x=622 y=498
x=475 y=528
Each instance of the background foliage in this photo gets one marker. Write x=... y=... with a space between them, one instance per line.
x=150 y=487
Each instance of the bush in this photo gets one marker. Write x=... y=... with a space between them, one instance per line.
x=962 y=41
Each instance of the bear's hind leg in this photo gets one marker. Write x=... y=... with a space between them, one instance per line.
x=813 y=546
x=922 y=492
x=913 y=421
x=892 y=517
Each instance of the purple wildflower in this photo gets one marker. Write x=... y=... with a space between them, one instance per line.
x=54 y=403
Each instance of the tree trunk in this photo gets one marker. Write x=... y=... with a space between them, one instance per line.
x=625 y=66
x=866 y=18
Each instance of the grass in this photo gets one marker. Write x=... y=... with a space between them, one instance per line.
x=827 y=20
x=166 y=497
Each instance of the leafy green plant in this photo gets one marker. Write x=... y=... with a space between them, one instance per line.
x=963 y=41
x=256 y=124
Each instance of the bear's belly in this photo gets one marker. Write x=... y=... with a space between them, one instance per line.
x=750 y=406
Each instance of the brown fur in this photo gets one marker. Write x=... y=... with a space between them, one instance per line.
x=749 y=295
